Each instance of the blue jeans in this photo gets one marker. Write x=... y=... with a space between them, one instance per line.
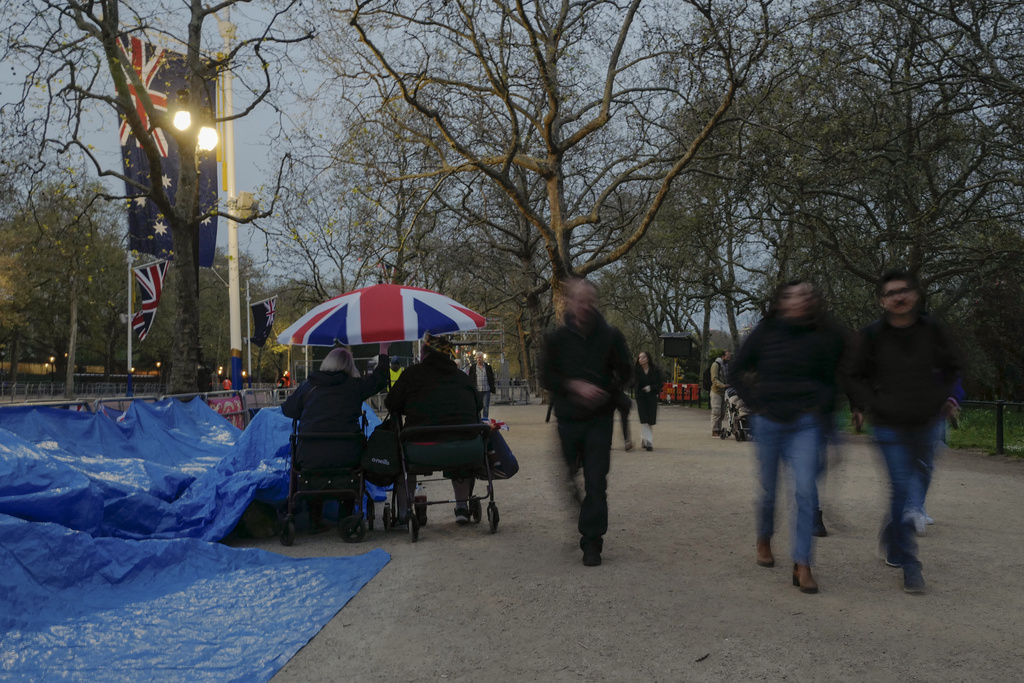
x=797 y=443
x=926 y=443
x=909 y=454
x=485 y=398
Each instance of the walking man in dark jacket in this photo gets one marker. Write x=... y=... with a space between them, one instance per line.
x=902 y=375
x=482 y=376
x=586 y=365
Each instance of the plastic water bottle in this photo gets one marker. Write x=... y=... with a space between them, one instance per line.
x=420 y=502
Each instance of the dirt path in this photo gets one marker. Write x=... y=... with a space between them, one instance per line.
x=679 y=597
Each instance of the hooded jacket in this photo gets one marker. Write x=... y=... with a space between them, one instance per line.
x=333 y=401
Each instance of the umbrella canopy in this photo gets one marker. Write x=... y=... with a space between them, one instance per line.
x=381 y=313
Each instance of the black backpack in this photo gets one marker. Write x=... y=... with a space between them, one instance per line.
x=707 y=378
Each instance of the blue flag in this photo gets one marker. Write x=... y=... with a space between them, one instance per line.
x=262 y=320
x=164 y=74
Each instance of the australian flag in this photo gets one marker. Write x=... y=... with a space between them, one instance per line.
x=164 y=74
x=262 y=320
x=151 y=280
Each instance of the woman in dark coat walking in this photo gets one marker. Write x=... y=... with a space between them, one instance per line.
x=648 y=384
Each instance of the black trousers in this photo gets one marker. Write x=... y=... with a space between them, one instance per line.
x=588 y=444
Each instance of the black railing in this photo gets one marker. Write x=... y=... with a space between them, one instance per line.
x=1000 y=407
x=239 y=413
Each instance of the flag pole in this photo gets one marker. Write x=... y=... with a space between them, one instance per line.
x=227 y=32
x=248 y=338
x=128 y=362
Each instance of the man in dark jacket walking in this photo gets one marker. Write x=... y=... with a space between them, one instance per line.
x=902 y=375
x=482 y=376
x=585 y=367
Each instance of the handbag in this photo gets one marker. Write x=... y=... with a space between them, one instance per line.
x=383 y=455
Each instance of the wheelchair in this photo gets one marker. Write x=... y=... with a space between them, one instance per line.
x=327 y=466
x=458 y=451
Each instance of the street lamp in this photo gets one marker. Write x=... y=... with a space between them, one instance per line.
x=53 y=368
x=207 y=137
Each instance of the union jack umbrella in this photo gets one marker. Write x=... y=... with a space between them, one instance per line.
x=381 y=313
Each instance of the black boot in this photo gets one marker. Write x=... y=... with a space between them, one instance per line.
x=819 y=526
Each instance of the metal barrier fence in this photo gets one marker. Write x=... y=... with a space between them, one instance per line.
x=512 y=394
x=1000 y=407
x=237 y=407
x=12 y=392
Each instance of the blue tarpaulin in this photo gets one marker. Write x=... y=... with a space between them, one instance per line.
x=160 y=470
x=107 y=523
x=80 y=608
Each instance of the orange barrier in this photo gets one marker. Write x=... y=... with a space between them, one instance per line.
x=675 y=392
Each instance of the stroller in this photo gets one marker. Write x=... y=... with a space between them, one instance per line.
x=458 y=451
x=327 y=466
x=739 y=421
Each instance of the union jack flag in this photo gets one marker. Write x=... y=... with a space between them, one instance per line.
x=151 y=279
x=162 y=72
x=262 y=320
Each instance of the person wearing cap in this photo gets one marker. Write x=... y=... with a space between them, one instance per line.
x=436 y=392
x=396 y=370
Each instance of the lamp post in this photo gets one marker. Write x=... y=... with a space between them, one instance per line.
x=53 y=369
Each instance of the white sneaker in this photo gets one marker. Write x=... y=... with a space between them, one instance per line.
x=928 y=520
x=919 y=524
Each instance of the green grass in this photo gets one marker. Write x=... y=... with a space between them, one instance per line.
x=978 y=430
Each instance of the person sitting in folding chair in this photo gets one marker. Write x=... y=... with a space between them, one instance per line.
x=331 y=401
x=435 y=392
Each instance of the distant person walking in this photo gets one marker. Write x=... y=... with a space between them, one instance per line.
x=482 y=375
x=786 y=373
x=648 y=379
x=585 y=367
x=719 y=383
x=903 y=375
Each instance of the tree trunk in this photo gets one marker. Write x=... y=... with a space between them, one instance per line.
x=113 y=335
x=69 y=375
x=15 y=343
x=536 y=337
x=524 y=351
x=730 y=311
x=705 y=343
x=185 y=342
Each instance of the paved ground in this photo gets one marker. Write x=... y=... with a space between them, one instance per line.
x=679 y=597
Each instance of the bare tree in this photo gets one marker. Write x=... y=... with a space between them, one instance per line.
x=74 y=56
x=583 y=96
